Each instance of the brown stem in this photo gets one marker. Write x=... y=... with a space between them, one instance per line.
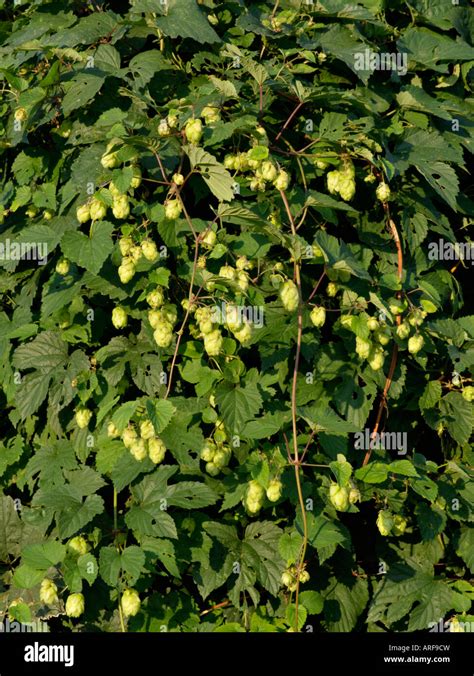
x=300 y=105
x=296 y=458
x=393 y=362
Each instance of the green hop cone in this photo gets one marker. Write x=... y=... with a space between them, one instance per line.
x=83 y=213
x=383 y=192
x=75 y=605
x=126 y=270
x=129 y=436
x=339 y=497
x=112 y=431
x=147 y=431
x=173 y=209
x=289 y=295
x=48 y=592
x=282 y=181
x=98 y=209
x=415 y=343
x=468 y=393
x=78 y=545
x=121 y=207
x=385 y=522
x=213 y=342
x=130 y=602
x=119 y=317
x=83 y=416
x=363 y=347
x=399 y=525
x=149 y=250
x=139 y=449
x=318 y=316
x=156 y=450
x=403 y=330
x=193 y=131
x=62 y=267
x=274 y=490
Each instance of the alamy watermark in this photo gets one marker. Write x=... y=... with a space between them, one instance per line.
x=392 y=61
x=17 y=251
x=388 y=441
x=451 y=251
x=9 y=627
x=252 y=314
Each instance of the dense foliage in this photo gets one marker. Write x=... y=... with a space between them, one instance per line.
x=242 y=258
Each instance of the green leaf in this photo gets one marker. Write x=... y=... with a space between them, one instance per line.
x=342 y=470
x=218 y=179
x=238 y=405
x=89 y=252
x=457 y=413
x=43 y=556
x=74 y=519
x=47 y=352
x=312 y=601
x=88 y=567
x=10 y=528
x=372 y=473
x=160 y=412
x=344 y=603
x=26 y=577
x=431 y=395
x=132 y=561
x=431 y=520
x=465 y=548
x=403 y=467
x=82 y=89
x=184 y=19
x=291 y=615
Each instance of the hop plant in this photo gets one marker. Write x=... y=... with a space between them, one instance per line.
x=78 y=545
x=289 y=295
x=163 y=335
x=126 y=270
x=274 y=490
x=139 y=449
x=75 y=605
x=112 y=430
x=48 y=592
x=129 y=436
x=383 y=192
x=385 y=522
x=339 y=497
x=254 y=495
x=156 y=450
x=318 y=316
x=130 y=602
x=213 y=342
x=83 y=416
x=98 y=210
x=121 y=207
x=62 y=267
x=193 y=131
x=173 y=209
x=149 y=250
x=415 y=343
x=147 y=431
x=282 y=181
x=119 y=317
x=83 y=213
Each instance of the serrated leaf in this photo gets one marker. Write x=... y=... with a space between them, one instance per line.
x=184 y=19
x=218 y=179
x=160 y=412
x=90 y=252
x=372 y=473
